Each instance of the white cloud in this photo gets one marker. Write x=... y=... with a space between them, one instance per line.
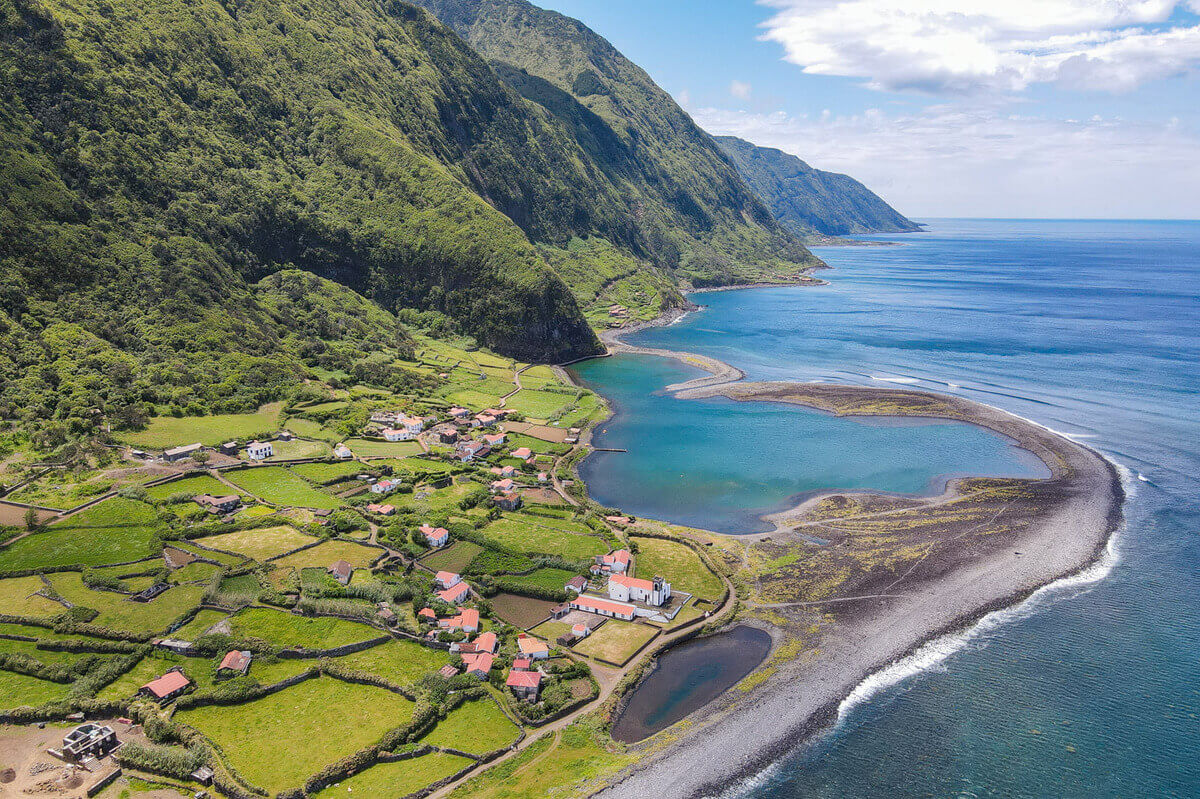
x=739 y=89
x=983 y=160
x=961 y=46
x=684 y=98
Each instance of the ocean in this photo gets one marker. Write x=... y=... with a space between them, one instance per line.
x=1092 y=687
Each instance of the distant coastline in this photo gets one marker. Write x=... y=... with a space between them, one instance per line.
x=1077 y=510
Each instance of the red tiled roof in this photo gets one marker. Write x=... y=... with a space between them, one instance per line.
x=631 y=582
x=479 y=661
x=235 y=660
x=454 y=594
x=529 y=646
x=340 y=568
x=522 y=663
x=167 y=684
x=487 y=642
x=524 y=679
x=427 y=613
x=586 y=602
x=445 y=578
x=522 y=453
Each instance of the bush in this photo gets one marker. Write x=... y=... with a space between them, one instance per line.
x=169 y=761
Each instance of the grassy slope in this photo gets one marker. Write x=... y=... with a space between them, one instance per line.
x=115 y=531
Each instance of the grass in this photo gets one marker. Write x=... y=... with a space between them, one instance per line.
x=553 y=579
x=476 y=727
x=365 y=448
x=398 y=662
x=679 y=565
x=404 y=777
x=526 y=533
x=18 y=690
x=299 y=448
x=551 y=630
x=327 y=472
x=311 y=429
x=195 y=628
x=288 y=630
x=615 y=641
x=165 y=432
x=277 y=485
x=280 y=740
x=48 y=656
x=16 y=597
x=537 y=445
x=540 y=404
x=260 y=543
x=219 y=557
x=118 y=611
x=521 y=611
x=326 y=553
x=115 y=531
x=150 y=668
x=200 y=484
x=453 y=558
x=416 y=466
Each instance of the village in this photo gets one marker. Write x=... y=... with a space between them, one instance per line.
x=433 y=568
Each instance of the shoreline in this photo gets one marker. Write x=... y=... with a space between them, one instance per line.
x=878 y=633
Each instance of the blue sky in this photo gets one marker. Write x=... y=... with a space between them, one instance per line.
x=1020 y=108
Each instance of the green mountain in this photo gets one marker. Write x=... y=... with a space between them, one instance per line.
x=688 y=212
x=810 y=201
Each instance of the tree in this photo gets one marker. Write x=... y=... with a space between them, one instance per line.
x=32 y=522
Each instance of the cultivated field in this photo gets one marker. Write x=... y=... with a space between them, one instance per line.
x=476 y=727
x=260 y=543
x=681 y=567
x=530 y=533
x=326 y=553
x=115 y=531
x=521 y=611
x=399 y=662
x=327 y=472
x=285 y=629
x=165 y=432
x=615 y=641
x=453 y=558
x=280 y=740
x=553 y=579
x=393 y=780
x=277 y=485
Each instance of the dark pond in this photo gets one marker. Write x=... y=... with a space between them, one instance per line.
x=688 y=677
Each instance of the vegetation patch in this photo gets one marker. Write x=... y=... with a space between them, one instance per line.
x=285 y=629
x=18 y=597
x=531 y=533
x=198 y=484
x=368 y=448
x=19 y=690
x=115 y=531
x=328 y=552
x=400 y=778
x=277 y=485
x=280 y=740
x=120 y=612
x=681 y=567
x=199 y=624
x=262 y=542
x=476 y=727
x=548 y=579
x=327 y=472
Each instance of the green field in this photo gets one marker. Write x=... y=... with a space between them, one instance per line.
x=198 y=670
x=453 y=558
x=194 y=571
x=327 y=472
x=220 y=557
x=195 y=628
x=553 y=579
x=165 y=432
x=679 y=565
x=475 y=727
x=280 y=740
x=394 y=780
x=118 y=611
x=48 y=656
x=540 y=404
x=299 y=448
x=518 y=440
x=416 y=466
x=324 y=554
x=311 y=429
x=18 y=690
x=285 y=629
x=365 y=448
x=115 y=531
x=615 y=641
x=528 y=533
x=399 y=662
x=277 y=485
x=200 y=484
x=260 y=543
x=17 y=598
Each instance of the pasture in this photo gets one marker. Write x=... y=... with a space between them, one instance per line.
x=277 y=485
x=681 y=567
x=115 y=531
x=401 y=778
x=453 y=558
x=399 y=662
x=476 y=727
x=261 y=543
x=164 y=432
x=615 y=641
x=284 y=629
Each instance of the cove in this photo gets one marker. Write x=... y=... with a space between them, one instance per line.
x=688 y=677
x=720 y=464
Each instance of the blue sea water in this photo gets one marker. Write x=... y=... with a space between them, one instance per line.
x=1092 y=328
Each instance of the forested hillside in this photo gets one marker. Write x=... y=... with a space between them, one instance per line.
x=810 y=201
x=695 y=217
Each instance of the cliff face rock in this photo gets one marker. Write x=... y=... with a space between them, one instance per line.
x=810 y=201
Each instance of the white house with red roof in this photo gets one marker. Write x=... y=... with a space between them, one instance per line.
x=604 y=607
x=467 y=621
x=446 y=579
x=458 y=413
x=470 y=450
x=531 y=647
x=524 y=684
x=494 y=439
x=581 y=630
x=478 y=664
x=435 y=536
x=624 y=588
x=502 y=486
x=455 y=595
x=522 y=453
x=487 y=642
x=385 y=486
x=166 y=687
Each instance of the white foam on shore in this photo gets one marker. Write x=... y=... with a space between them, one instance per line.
x=885 y=379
